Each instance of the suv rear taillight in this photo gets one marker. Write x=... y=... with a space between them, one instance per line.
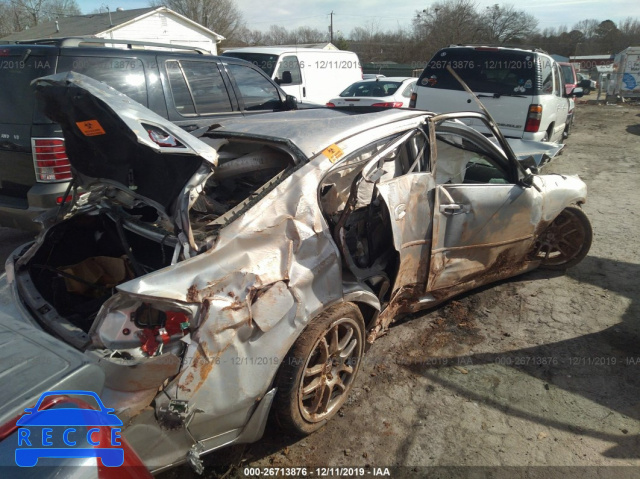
x=533 y=119
x=50 y=160
x=413 y=100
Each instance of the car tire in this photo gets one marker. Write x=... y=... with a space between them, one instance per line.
x=586 y=91
x=565 y=242
x=324 y=361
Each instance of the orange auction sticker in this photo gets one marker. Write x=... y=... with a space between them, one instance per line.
x=91 y=128
x=333 y=152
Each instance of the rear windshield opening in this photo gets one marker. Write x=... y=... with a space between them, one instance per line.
x=498 y=72
x=262 y=60
x=371 y=88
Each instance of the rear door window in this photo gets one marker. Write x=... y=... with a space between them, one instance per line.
x=547 y=76
x=258 y=93
x=124 y=74
x=489 y=71
x=197 y=87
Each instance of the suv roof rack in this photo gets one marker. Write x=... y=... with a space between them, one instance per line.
x=493 y=45
x=96 y=41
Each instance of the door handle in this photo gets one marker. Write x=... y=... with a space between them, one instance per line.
x=454 y=209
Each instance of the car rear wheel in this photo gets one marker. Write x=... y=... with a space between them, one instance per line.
x=318 y=373
x=566 y=241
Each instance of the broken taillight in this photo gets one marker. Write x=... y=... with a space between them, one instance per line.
x=533 y=119
x=50 y=160
x=159 y=327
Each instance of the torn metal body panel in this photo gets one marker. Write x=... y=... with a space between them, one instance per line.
x=267 y=229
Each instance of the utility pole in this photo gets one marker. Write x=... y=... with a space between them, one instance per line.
x=331 y=28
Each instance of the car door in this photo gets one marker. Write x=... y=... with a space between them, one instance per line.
x=483 y=220
x=291 y=64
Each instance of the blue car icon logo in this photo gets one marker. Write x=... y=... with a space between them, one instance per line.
x=64 y=431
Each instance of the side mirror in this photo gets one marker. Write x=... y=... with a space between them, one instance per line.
x=577 y=92
x=529 y=180
x=287 y=79
x=290 y=103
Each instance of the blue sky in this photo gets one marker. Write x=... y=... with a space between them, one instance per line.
x=386 y=15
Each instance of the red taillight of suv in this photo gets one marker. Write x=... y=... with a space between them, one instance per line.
x=50 y=160
x=533 y=119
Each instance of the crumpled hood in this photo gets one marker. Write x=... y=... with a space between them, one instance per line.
x=540 y=151
x=111 y=137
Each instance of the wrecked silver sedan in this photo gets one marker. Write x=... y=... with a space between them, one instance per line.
x=216 y=280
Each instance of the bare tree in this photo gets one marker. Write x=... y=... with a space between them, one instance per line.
x=277 y=35
x=221 y=16
x=588 y=27
x=16 y=15
x=6 y=25
x=505 y=24
x=447 y=22
x=30 y=11
x=58 y=8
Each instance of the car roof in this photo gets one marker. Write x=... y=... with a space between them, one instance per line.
x=281 y=50
x=313 y=130
x=514 y=48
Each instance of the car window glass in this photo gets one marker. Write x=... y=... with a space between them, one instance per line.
x=16 y=98
x=460 y=160
x=567 y=74
x=124 y=74
x=206 y=86
x=556 y=82
x=408 y=90
x=290 y=64
x=182 y=99
x=256 y=90
x=547 y=75
x=503 y=72
x=371 y=88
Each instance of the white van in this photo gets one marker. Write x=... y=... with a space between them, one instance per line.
x=312 y=75
x=522 y=89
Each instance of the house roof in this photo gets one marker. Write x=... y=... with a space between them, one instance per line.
x=94 y=24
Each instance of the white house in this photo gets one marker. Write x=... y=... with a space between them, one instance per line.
x=156 y=24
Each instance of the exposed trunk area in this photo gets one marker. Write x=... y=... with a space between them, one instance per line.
x=81 y=261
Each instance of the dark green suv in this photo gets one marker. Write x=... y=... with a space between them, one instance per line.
x=186 y=85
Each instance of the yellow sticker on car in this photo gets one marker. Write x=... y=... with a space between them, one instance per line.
x=333 y=152
x=91 y=128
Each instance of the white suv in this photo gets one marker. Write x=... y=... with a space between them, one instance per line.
x=522 y=89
